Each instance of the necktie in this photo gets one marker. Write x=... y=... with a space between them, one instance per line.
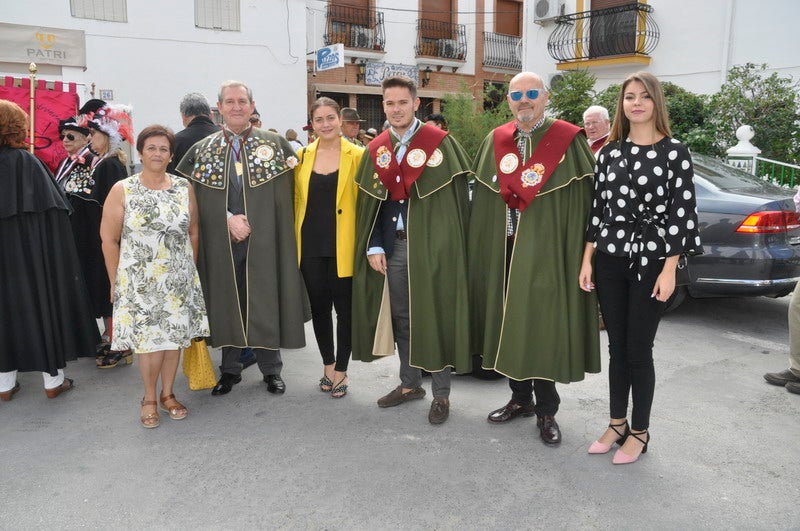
x=235 y=148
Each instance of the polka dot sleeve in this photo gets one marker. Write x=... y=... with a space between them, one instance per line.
x=681 y=228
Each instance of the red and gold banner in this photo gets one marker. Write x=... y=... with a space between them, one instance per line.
x=51 y=105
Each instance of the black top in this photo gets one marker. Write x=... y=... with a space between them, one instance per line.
x=644 y=202
x=319 y=224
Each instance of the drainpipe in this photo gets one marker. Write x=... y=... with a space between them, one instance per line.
x=725 y=64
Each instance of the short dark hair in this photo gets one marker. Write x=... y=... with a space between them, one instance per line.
x=195 y=104
x=400 y=81
x=155 y=130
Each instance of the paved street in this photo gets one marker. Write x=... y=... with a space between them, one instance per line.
x=724 y=451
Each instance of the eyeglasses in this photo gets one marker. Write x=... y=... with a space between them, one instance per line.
x=532 y=94
x=68 y=136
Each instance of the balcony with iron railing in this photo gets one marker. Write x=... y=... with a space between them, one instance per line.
x=622 y=34
x=444 y=42
x=502 y=51
x=355 y=28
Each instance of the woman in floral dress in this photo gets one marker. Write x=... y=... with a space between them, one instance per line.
x=150 y=236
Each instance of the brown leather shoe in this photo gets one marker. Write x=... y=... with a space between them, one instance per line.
x=63 y=388
x=397 y=397
x=510 y=411
x=440 y=410
x=5 y=396
x=781 y=378
x=548 y=429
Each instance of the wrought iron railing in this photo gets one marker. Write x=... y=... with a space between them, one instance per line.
x=441 y=39
x=779 y=172
x=355 y=27
x=501 y=50
x=623 y=30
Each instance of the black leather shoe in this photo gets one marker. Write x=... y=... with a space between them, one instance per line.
x=226 y=383
x=548 y=429
x=275 y=384
x=510 y=411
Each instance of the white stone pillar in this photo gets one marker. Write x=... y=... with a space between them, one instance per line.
x=743 y=155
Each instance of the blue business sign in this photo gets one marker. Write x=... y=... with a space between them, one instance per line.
x=330 y=57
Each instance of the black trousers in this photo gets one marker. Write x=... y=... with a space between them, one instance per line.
x=631 y=316
x=326 y=291
x=522 y=392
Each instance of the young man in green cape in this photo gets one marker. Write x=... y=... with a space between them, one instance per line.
x=410 y=273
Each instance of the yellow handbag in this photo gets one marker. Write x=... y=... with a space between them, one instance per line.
x=197 y=366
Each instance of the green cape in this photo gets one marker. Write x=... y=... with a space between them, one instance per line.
x=438 y=210
x=546 y=326
x=275 y=293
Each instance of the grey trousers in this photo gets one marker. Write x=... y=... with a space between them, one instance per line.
x=269 y=361
x=794 y=332
x=410 y=377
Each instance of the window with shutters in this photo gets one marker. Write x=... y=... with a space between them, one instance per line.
x=109 y=10
x=356 y=24
x=217 y=14
x=508 y=17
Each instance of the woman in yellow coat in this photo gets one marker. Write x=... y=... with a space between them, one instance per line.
x=325 y=227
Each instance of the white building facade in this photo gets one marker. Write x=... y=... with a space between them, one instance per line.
x=688 y=42
x=149 y=54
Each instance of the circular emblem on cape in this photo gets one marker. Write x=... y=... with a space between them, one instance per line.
x=509 y=163
x=416 y=158
x=532 y=176
x=383 y=157
x=436 y=158
x=265 y=152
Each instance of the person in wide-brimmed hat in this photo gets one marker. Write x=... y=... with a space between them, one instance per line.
x=108 y=127
x=351 y=123
x=75 y=142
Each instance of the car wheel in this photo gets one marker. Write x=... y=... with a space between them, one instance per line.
x=676 y=299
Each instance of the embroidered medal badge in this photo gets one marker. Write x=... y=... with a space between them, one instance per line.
x=509 y=163
x=416 y=158
x=532 y=176
x=383 y=157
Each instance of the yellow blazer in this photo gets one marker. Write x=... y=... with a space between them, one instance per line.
x=346 y=191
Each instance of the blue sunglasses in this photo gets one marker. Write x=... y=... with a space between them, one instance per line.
x=532 y=94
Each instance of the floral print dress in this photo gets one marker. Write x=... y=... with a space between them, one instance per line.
x=158 y=301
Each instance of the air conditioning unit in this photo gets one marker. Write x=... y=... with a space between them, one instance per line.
x=447 y=48
x=547 y=10
x=555 y=80
x=363 y=37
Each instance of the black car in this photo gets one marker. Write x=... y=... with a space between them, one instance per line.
x=750 y=233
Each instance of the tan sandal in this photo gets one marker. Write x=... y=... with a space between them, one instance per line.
x=151 y=420
x=177 y=411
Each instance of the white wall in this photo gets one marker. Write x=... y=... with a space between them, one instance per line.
x=700 y=41
x=155 y=58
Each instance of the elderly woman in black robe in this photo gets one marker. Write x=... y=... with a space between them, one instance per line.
x=46 y=317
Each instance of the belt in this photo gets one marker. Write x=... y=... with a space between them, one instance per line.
x=400 y=235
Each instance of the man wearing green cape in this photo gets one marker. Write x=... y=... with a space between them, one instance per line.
x=410 y=272
x=532 y=196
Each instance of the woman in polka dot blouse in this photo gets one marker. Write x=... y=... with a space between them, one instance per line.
x=643 y=218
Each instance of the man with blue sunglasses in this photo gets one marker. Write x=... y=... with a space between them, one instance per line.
x=530 y=205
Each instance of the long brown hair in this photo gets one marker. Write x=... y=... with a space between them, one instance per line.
x=622 y=126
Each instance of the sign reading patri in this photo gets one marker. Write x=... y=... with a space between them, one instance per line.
x=330 y=57
x=37 y=44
